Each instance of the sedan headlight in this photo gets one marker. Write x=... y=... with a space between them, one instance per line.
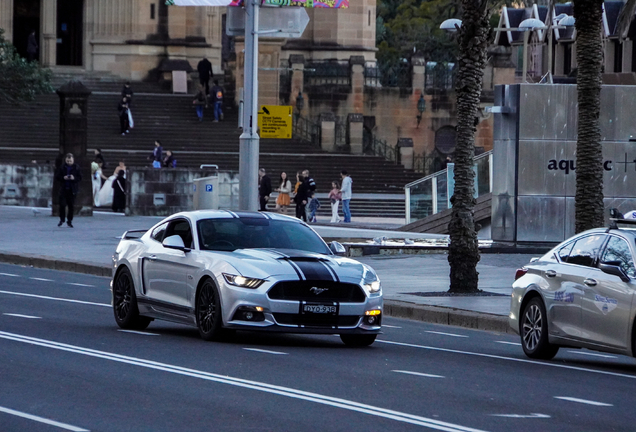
x=243 y=282
x=373 y=287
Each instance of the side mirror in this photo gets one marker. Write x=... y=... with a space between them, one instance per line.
x=175 y=242
x=614 y=270
x=337 y=248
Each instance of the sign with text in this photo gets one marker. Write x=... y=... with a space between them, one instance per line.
x=275 y=121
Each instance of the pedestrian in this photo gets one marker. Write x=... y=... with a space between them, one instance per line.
x=32 y=46
x=99 y=158
x=284 y=189
x=69 y=175
x=264 y=189
x=310 y=188
x=216 y=96
x=119 y=192
x=200 y=101
x=205 y=73
x=346 y=195
x=122 y=109
x=335 y=196
x=157 y=154
x=127 y=92
x=312 y=207
x=97 y=179
x=169 y=161
x=302 y=194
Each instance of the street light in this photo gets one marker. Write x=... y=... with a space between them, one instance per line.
x=421 y=107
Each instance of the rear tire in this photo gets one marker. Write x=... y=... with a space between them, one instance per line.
x=125 y=303
x=208 y=312
x=354 y=340
x=534 y=331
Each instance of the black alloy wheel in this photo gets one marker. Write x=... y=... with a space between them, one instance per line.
x=357 y=340
x=534 y=331
x=208 y=311
x=125 y=303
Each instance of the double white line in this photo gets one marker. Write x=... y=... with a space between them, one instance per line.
x=248 y=384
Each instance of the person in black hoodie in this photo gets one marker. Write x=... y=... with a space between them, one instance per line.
x=205 y=73
x=264 y=188
x=304 y=194
x=119 y=192
x=69 y=175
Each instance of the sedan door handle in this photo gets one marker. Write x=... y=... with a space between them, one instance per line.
x=590 y=282
x=152 y=257
x=550 y=273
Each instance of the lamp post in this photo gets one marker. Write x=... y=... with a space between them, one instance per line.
x=421 y=107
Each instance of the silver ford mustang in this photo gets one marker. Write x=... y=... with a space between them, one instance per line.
x=222 y=271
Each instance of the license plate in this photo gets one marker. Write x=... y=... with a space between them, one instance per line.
x=319 y=308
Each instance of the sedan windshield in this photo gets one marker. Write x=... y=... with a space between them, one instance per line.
x=256 y=233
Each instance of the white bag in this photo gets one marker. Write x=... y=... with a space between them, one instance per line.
x=131 y=123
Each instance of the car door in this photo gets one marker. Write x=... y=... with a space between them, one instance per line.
x=566 y=280
x=607 y=301
x=165 y=270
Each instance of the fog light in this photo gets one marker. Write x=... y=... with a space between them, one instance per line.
x=371 y=319
x=249 y=316
x=259 y=309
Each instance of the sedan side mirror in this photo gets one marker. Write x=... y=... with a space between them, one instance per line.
x=337 y=248
x=614 y=270
x=175 y=242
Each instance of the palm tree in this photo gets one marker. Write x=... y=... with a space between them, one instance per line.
x=463 y=253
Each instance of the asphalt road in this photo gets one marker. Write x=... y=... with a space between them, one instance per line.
x=64 y=365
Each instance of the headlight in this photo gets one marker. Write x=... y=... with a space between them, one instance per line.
x=243 y=282
x=374 y=286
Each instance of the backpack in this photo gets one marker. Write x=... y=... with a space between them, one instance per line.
x=219 y=95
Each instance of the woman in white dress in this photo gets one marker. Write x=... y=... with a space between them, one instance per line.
x=106 y=192
x=96 y=179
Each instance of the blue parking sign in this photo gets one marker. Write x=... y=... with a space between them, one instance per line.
x=208 y=188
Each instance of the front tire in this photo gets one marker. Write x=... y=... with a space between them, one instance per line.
x=534 y=331
x=125 y=303
x=357 y=340
x=208 y=311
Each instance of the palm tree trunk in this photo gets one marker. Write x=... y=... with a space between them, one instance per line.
x=463 y=253
x=589 y=156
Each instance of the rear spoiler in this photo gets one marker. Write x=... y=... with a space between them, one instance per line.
x=133 y=234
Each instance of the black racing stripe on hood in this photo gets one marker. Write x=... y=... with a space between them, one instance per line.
x=295 y=267
x=332 y=271
x=314 y=270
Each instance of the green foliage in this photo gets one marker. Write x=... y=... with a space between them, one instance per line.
x=20 y=80
x=405 y=27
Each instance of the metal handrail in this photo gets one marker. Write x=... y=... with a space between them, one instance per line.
x=438 y=173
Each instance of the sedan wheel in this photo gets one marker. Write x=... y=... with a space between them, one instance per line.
x=358 y=340
x=534 y=331
x=125 y=303
x=208 y=310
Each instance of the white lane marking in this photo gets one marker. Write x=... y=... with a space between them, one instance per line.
x=509 y=343
x=9 y=274
x=390 y=326
x=265 y=351
x=533 y=415
x=445 y=334
x=139 y=332
x=513 y=359
x=42 y=279
x=418 y=374
x=248 y=384
x=55 y=298
x=591 y=354
x=21 y=316
x=42 y=420
x=81 y=284
x=583 y=401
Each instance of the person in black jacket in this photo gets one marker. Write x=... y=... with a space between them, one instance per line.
x=264 y=188
x=69 y=175
x=304 y=194
x=127 y=93
x=122 y=109
x=205 y=73
x=119 y=192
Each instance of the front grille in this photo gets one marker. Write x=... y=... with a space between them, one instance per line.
x=316 y=320
x=327 y=291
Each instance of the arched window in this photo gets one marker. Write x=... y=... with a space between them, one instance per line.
x=445 y=139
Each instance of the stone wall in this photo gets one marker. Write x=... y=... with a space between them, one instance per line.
x=26 y=185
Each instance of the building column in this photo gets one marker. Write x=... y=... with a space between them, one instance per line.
x=356 y=64
x=177 y=24
x=354 y=131
x=48 y=47
x=328 y=131
x=419 y=74
x=6 y=19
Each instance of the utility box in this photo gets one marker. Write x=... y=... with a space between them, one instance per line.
x=206 y=193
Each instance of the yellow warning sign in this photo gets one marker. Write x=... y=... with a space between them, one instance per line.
x=275 y=121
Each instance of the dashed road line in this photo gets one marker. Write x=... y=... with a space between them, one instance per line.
x=390 y=326
x=509 y=343
x=21 y=316
x=9 y=274
x=418 y=374
x=139 y=332
x=591 y=354
x=43 y=420
x=42 y=279
x=583 y=401
x=265 y=351
x=533 y=415
x=445 y=334
x=81 y=284
x=55 y=298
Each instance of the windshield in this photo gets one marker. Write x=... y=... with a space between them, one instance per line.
x=256 y=233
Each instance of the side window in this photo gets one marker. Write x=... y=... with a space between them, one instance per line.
x=564 y=252
x=617 y=253
x=181 y=228
x=586 y=250
x=159 y=232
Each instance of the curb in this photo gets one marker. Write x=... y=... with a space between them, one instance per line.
x=392 y=308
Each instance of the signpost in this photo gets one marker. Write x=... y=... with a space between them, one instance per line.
x=275 y=121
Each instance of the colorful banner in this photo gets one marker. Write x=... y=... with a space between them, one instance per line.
x=331 y=4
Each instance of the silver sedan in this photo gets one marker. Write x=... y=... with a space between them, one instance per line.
x=222 y=271
x=580 y=294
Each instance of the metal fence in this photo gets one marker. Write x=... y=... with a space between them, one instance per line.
x=341 y=132
x=378 y=147
x=423 y=164
x=396 y=74
x=330 y=72
x=306 y=130
x=440 y=76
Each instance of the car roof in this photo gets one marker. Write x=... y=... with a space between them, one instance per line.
x=197 y=215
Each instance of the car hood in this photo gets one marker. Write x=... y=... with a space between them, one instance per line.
x=296 y=264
